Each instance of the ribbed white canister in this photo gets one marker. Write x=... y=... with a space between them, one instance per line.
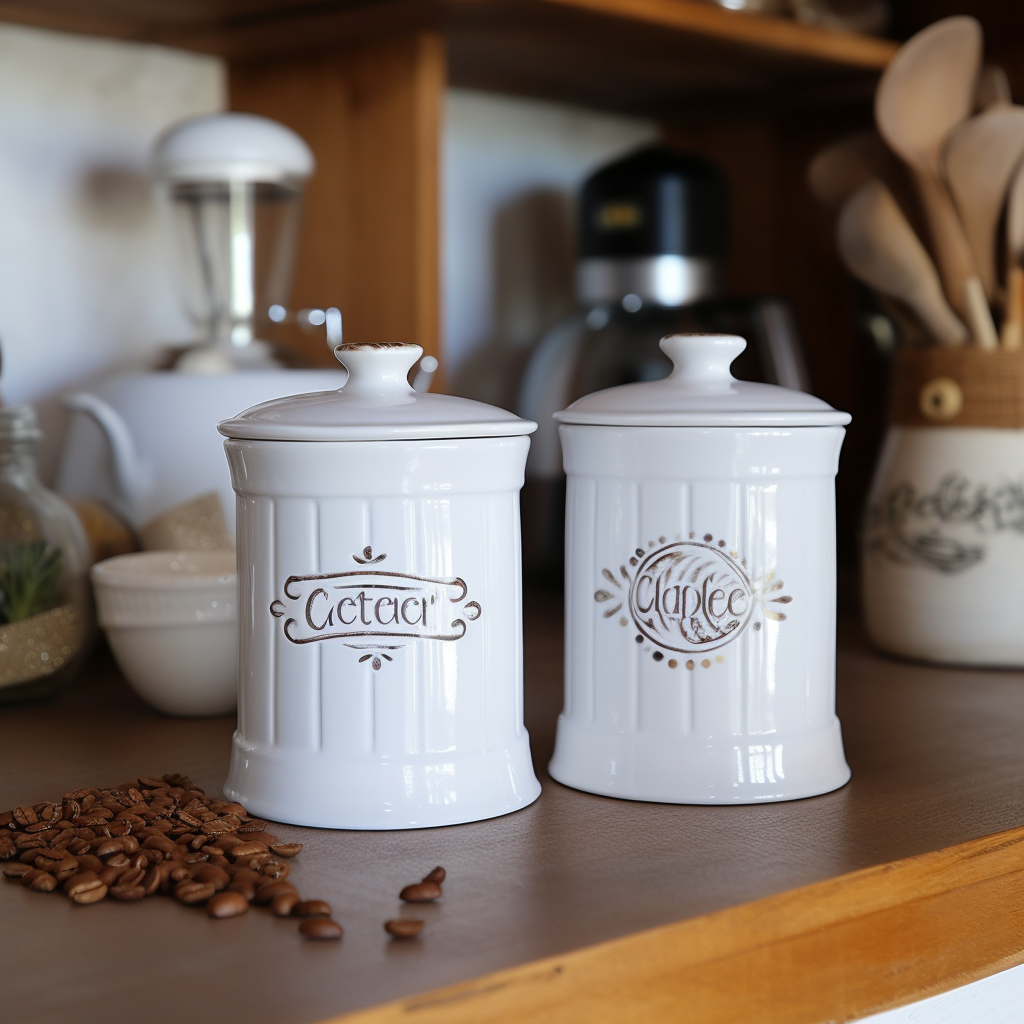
x=380 y=661
x=700 y=587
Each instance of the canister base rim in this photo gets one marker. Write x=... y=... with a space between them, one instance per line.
x=692 y=770
x=418 y=791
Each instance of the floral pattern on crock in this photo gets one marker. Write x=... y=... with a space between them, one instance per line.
x=943 y=529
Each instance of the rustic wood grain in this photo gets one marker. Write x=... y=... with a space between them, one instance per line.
x=937 y=762
x=370 y=235
x=839 y=950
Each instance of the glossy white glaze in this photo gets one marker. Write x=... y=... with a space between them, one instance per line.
x=700 y=601
x=380 y=672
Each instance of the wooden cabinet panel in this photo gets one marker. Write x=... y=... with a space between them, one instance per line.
x=370 y=235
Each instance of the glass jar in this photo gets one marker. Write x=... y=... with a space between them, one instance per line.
x=46 y=617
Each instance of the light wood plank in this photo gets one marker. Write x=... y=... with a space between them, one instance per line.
x=370 y=236
x=837 y=950
x=757 y=32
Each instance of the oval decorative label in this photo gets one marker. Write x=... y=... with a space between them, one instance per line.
x=690 y=597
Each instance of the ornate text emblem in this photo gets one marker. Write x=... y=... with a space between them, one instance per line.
x=370 y=603
x=690 y=596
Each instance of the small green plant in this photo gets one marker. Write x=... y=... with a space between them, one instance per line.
x=28 y=580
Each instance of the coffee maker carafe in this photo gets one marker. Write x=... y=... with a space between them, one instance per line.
x=653 y=241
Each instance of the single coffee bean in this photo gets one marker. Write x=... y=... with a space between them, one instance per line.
x=66 y=868
x=403 y=927
x=247 y=849
x=190 y=892
x=266 y=893
x=15 y=871
x=40 y=881
x=437 y=875
x=421 y=892
x=321 y=928
x=284 y=903
x=245 y=887
x=285 y=849
x=312 y=908
x=48 y=859
x=25 y=815
x=119 y=860
x=6 y=817
x=85 y=887
x=261 y=837
x=127 y=893
x=88 y=862
x=227 y=904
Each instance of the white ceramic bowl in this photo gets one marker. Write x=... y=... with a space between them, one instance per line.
x=172 y=622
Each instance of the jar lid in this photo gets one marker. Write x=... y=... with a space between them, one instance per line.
x=701 y=392
x=376 y=403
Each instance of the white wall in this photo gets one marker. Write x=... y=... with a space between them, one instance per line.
x=85 y=278
x=512 y=170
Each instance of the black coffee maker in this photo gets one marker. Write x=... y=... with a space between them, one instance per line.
x=653 y=241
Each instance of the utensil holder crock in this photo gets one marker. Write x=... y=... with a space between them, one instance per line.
x=942 y=551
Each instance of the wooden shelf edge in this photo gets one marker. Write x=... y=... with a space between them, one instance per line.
x=758 y=32
x=841 y=949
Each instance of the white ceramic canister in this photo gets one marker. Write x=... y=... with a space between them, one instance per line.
x=380 y=604
x=700 y=587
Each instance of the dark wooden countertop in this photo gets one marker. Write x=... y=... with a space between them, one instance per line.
x=937 y=759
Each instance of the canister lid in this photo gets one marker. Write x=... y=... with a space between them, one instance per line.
x=701 y=392
x=376 y=403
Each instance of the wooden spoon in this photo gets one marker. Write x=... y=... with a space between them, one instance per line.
x=924 y=93
x=1013 y=322
x=981 y=156
x=993 y=89
x=837 y=171
x=879 y=246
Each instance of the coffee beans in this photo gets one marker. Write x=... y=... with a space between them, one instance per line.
x=403 y=928
x=159 y=836
x=166 y=837
x=321 y=928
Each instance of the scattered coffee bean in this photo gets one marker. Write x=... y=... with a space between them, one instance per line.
x=312 y=908
x=437 y=875
x=321 y=928
x=284 y=903
x=421 y=892
x=285 y=849
x=403 y=927
x=265 y=893
x=227 y=904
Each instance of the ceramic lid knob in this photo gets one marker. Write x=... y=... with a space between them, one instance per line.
x=702 y=357
x=378 y=369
